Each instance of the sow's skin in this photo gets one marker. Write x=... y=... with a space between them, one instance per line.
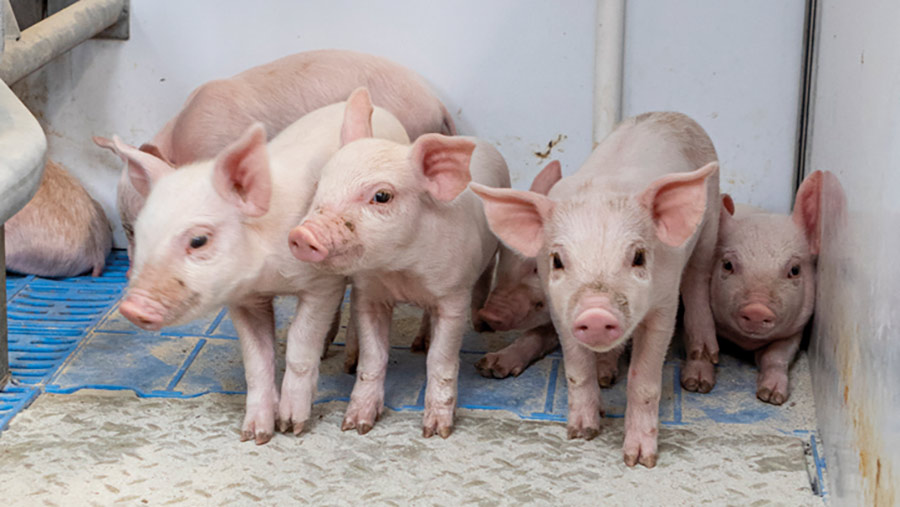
x=62 y=231
x=764 y=283
x=614 y=243
x=277 y=94
x=214 y=233
x=399 y=221
x=517 y=301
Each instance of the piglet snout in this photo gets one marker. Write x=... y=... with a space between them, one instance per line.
x=142 y=311
x=597 y=328
x=305 y=245
x=756 y=317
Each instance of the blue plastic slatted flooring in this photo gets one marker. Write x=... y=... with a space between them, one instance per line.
x=66 y=335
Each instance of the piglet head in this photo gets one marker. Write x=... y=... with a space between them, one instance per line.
x=194 y=236
x=517 y=300
x=144 y=166
x=763 y=286
x=600 y=259
x=373 y=193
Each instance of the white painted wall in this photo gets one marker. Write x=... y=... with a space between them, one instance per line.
x=735 y=67
x=855 y=349
x=516 y=72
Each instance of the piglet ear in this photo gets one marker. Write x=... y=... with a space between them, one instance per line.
x=677 y=203
x=807 y=207
x=548 y=177
x=516 y=217
x=444 y=162
x=241 y=172
x=156 y=152
x=144 y=167
x=357 y=117
x=727 y=211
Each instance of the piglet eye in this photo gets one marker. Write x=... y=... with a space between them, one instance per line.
x=795 y=271
x=557 y=262
x=382 y=196
x=639 y=259
x=727 y=266
x=539 y=305
x=198 y=241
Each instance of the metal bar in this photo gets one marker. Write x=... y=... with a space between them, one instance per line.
x=4 y=347
x=56 y=35
x=609 y=53
x=807 y=86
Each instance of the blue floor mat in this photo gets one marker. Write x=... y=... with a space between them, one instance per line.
x=67 y=334
x=48 y=319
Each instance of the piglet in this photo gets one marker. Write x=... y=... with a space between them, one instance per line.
x=400 y=222
x=213 y=233
x=62 y=231
x=764 y=285
x=277 y=94
x=517 y=301
x=614 y=243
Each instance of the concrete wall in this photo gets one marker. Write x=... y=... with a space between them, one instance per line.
x=856 y=341
x=516 y=72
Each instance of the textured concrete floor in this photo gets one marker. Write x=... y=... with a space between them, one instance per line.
x=100 y=448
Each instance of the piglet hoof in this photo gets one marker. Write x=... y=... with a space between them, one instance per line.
x=772 y=387
x=640 y=450
x=497 y=365
x=259 y=436
x=482 y=326
x=419 y=344
x=361 y=416
x=607 y=374
x=698 y=376
x=287 y=426
x=259 y=422
x=437 y=422
x=648 y=461
x=585 y=433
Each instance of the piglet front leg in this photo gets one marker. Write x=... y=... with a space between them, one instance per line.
x=774 y=361
x=255 y=325
x=584 y=391
x=517 y=356
x=302 y=357
x=449 y=321
x=373 y=321
x=644 y=389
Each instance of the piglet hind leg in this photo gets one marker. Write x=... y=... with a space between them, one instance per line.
x=520 y=354
x=449 y=321
x=423 y=336
x=608 y=366
x=373 y=322
x=701 y=345
x=583 y=389
x=774 y=361
x=651 y=340
x=255 y=325
x=302 y=357
x=480 y=295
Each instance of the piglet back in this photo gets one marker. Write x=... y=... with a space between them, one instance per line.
x=62 y=231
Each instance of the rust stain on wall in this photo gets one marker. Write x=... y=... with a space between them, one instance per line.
x=543 y=154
